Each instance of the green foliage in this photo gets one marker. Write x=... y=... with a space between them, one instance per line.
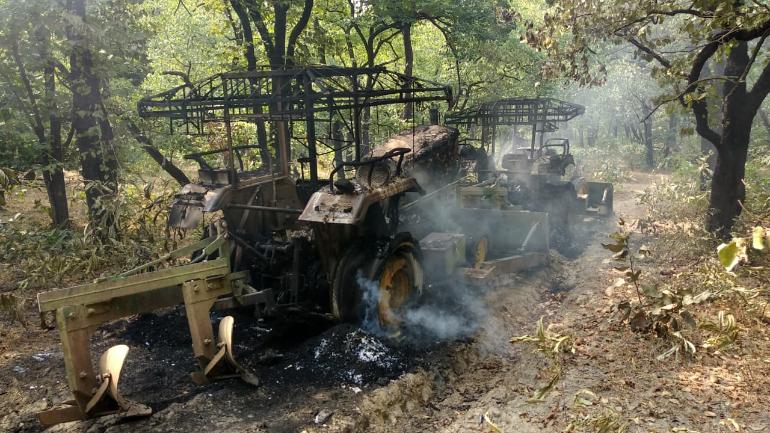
x=45 y=258
x=606 y=162
x=741 y=250
x=724 y=331
x=676 y=205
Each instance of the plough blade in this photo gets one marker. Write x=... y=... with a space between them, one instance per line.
x=110 y=364
x=223 y=365
x=106 y=400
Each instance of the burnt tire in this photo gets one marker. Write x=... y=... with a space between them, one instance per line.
x=375 y=275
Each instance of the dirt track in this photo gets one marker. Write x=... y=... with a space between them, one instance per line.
x=308 y=365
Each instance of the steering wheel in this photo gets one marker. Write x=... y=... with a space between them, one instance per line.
x=395 y=152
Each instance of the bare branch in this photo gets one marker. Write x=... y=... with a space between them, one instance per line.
x=259 y=23
x=155 y=154
x=663 y=61
x=762 y=85
x=183 y=75
x=659 y=12
x=25 y=81
x=298 y=28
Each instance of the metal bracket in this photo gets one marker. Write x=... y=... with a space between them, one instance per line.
x=216 y=361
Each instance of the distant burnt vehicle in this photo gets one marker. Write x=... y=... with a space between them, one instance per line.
x=374 y=223
x=541 y=176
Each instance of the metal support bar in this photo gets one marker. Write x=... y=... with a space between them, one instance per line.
x=132 y=285
x=265 y=208
x=310 y=128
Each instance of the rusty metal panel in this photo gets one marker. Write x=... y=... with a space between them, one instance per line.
x=330 y=207
x=508 y=231
x=443 y=253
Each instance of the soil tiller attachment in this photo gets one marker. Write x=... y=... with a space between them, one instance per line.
x=198 y=285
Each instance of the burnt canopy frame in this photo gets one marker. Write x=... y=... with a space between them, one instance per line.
x=542 y=114
x=288 y=95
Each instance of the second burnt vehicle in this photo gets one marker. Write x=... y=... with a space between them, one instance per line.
x=384 y=216
x=540 y=176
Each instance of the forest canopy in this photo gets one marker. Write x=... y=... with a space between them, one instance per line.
x=71 y=73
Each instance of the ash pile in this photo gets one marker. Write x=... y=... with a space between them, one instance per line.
x=346 y=354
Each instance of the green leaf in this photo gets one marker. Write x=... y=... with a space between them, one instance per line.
x=542 y=392
x=697 y=299
x=731 y=254
x=634 y=277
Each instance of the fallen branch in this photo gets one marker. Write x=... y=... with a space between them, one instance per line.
x=155 y=154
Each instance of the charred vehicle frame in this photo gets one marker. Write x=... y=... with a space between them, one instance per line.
x=281 y=240
x=535 y=177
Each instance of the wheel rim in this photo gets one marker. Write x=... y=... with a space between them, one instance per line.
x=396 y=288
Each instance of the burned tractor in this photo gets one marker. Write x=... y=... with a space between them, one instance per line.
x=541 y=176
x=274 y=240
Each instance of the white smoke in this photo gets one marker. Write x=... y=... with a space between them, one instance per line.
x=448 y=312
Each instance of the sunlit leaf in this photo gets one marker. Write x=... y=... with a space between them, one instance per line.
x=758 y=238
x=731 y=254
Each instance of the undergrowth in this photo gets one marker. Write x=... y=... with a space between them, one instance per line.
x=41 y=257
x=680 y=290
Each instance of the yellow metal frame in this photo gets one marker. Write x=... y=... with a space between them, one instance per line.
x=80 y=310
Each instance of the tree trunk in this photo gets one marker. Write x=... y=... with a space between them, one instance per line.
x=251 y=65
x=649 y=149
x=406 y=33
x=670 y=143
x=707 y=148
x=97 y=164
x=366 y=139
x=591 y=137
x=53 y=173
x=636 y=134
x=647 y=136
x=338 y=144
x=727 y=189
x=710 y=153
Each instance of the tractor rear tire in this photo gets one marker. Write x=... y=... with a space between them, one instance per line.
x=375 y=281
